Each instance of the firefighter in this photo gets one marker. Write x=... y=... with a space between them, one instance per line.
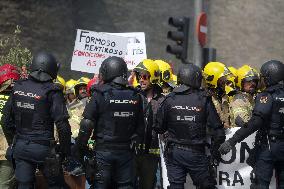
x=148 y=75
x=268 y=118
x=242 y=103
x=81 y=89
x=76 y=108
x=70 y=92
x=167 y=82
x=8 y=75
x=220 y=85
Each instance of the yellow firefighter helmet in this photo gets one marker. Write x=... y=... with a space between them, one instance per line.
x=151 y=67
x=166 y=72
x=213 y=71
x=60 y=82
x=246 y=73
x=70 y=86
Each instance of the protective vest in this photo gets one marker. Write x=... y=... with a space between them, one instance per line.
x=76 y=115
x=277 y=115
x=187 y=117
x=223 y=110
x=118 y=113
x=241 y=105
x=31 y=109
x=3 y=141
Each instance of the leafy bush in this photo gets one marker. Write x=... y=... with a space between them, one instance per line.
x=12 y=51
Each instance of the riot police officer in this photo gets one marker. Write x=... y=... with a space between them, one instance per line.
x=35 y=104
x=268 y=118
x=185 y=113
x=116 y=116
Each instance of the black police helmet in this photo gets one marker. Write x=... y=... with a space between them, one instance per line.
x=272 y=72
x=190 y=75
x=114 y=69
x=44 y=66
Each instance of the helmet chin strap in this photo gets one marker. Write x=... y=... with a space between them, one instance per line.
x=220 y=92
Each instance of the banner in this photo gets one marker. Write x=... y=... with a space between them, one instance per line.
x=91 y=48
x=136 y=48
x=233 y=171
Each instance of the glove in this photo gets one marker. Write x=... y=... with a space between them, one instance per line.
x=240 y=122
x=216 y=156
x=226 y=146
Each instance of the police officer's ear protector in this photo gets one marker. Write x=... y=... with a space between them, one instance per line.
x=58 y=66
x=102 y=71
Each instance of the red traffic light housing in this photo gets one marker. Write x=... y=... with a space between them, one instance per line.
x=180 y=37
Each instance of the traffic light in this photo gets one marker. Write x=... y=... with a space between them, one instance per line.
x=180 y=37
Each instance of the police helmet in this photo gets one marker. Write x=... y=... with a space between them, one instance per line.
x=190 y=75
x=114 y=69
x=44 y=66
x=272 y=72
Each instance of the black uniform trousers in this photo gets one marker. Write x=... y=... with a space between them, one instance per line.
x=114 y=167
x=28 y=157
x=267 y=160
x=181 y=161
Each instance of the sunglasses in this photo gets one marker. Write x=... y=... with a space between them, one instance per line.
x=143 y=76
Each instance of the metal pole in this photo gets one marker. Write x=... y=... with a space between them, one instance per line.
x=197 y=49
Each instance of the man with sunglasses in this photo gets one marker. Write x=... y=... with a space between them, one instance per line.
x=148 y=76
x=268 y=118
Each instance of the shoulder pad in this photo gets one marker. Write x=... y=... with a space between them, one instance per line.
x=135 y=90
x=20 y=81
x=170 y=95
x=181 y=89
x=204 y=93
x=102 y=88
x=263 y=97
x=51 y=87
x=273 y=88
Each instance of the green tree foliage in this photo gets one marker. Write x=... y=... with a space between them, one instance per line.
x=12 y=51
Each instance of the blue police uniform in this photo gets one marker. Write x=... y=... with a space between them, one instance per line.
x=31 y=112
x=184 y=114
x=117 y=114
x=268 y=118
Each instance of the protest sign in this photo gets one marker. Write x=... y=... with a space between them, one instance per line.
x=136 y=48
x=91 y=48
